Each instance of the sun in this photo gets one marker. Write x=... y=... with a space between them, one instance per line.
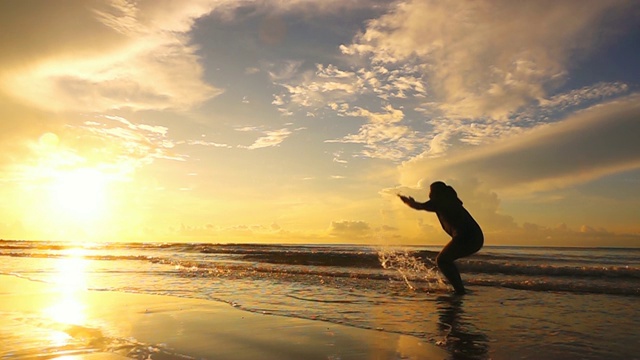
x=80 y=194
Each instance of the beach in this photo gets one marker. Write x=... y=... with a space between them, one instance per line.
x=42 y=322
x=244 y=301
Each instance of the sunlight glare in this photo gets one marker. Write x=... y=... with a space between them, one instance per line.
x=69 y=280
x=80 y=194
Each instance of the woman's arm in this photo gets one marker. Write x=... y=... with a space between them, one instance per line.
x=427 y=206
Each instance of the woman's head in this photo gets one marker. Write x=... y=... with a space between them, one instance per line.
x=440 y=190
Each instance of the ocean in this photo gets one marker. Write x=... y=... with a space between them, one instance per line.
x=523 y=302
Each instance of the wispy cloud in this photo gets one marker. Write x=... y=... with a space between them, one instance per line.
x=383 y=135
x=268 y=139
x=112 y=145
x=575 y=98
x=329 y=84
x=151 y=66
x=450 y=132
x=590 y=144
x=316 y=88
x=481 y=64
x=127 y=143
x=474 y=78
x=208 y=143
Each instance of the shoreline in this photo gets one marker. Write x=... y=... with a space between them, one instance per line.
x=47 y=321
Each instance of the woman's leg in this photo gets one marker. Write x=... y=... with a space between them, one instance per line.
x=445 y=261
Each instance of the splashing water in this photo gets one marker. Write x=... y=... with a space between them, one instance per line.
x=412 y=268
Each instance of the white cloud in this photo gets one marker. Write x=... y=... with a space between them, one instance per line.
x=332 y=71
x=277 y=100
x=331 y=85
x=577 y=97
x=160 y=130
x=151 y=66
x=451 y=132
x=382 y=135
x=248 y=128
x=484 y=59
x=590 y=144
x=316 y=88
x=207 y=143
x=269 y=138
x=285 y=112
x=125 y=142
x=337 y=158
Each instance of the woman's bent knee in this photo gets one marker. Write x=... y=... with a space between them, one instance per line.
x=443 y=261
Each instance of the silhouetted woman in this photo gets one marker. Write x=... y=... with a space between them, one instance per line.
x=466 y=235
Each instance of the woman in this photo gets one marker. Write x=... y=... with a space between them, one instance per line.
x=466 y=235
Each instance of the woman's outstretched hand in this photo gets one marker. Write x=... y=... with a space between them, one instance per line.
x=407 y=200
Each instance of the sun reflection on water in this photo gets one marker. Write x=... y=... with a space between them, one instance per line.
x=67 y=306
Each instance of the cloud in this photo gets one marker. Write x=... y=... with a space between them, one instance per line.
x=595 y=142
x=383 y=136
x=578 y=97
x=147 y=61
x=485 y=59
x=328 y=84
x=337 y=158
x=477 y=77
x=207 y=143
x=248 y=128
x=114 y=54
x=112 y=143
x=315 y=88
x=447 y=132
x=270 y=138
x=122 y=143
x=584 y=236
x=284 y=71
x=349 y=229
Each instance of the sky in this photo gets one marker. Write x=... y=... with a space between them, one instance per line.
x=301 y=120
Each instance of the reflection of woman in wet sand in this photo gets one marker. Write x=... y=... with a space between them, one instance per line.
x=466 y=235
x=461 y=337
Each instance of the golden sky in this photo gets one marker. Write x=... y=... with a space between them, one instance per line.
x=299 y=121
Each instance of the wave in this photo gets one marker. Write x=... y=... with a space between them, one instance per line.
x=421 y=278
x=568 y=286
x=484 y=267
x=288 y=257
x=516 y=268
x=86 y=257
x=316 y=258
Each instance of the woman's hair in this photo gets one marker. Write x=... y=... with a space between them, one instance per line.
x=440 y=190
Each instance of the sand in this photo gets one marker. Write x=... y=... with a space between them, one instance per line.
x=45 y=322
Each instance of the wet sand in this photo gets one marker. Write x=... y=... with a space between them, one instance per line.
x=46 y=322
